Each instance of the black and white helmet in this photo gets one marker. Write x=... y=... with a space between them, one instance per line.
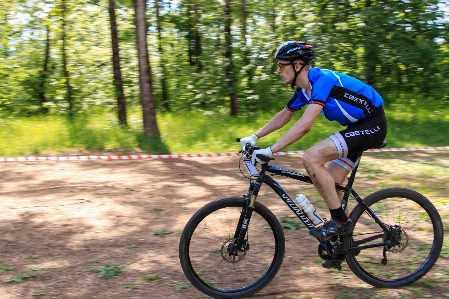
x=292 y=50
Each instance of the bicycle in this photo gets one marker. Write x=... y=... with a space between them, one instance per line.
x=233 y=247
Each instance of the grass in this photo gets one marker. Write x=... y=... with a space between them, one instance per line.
x=196 y=132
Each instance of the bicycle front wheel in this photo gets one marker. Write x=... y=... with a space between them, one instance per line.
x=415 y=236
x=204 y=256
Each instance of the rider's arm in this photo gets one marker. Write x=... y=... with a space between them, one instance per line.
x=277 y=122
x=300 y=128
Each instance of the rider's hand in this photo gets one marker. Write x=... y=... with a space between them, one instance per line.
x=250 y=139
x=266 y=152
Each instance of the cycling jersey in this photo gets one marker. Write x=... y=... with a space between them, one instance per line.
x=344 y=98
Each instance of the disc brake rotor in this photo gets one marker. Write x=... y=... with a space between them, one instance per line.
x=399 y=237
x=229 y=254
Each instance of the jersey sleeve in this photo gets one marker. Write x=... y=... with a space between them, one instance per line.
x=321 y=90
x=297 y=101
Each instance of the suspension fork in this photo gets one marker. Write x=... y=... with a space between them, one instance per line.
x=245 y=214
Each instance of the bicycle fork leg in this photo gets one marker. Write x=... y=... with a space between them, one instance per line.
x=245 y=216
x=241 y=230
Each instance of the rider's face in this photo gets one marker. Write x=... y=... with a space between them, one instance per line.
x=286 y=71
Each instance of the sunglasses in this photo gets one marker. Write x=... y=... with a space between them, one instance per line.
x=281 y=66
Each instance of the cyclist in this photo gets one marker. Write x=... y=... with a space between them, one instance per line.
x=349 y=101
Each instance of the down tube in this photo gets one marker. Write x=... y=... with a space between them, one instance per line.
x=282 y=194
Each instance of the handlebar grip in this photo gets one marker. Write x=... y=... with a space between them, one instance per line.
x=238 y=139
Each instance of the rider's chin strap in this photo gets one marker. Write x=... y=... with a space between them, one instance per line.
x=297 y=72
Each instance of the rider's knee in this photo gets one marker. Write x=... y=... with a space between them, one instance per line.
x=307 y=158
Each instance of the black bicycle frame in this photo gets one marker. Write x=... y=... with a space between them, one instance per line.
x=253 y=192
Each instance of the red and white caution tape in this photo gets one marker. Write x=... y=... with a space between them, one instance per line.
x=378 y=150
x=410 y=149
x=125 y=157
x=168 y=156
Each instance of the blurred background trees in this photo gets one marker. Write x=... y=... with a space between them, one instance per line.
x=70 y=57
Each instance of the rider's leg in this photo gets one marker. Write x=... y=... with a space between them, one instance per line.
x=339 y=174
x=314 y=160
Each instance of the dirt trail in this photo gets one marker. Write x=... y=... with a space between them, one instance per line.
x=63 y=221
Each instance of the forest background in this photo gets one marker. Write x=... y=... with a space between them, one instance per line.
x=192 y=75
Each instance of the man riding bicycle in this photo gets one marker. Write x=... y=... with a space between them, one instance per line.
x=349 y=101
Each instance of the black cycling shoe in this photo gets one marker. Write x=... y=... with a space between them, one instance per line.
x=331 y=228
x=329 y=264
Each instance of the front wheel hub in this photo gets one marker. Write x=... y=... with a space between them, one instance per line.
x=230 y=253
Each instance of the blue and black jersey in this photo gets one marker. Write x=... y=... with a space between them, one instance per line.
x=344 y=98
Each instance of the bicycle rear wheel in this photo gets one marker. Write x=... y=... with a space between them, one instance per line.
x=208 y=265
x=412 y=220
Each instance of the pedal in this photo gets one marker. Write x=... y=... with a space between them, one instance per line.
x=331 y=264
x=338 y=265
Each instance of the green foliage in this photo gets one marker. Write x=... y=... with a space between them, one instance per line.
x=291 y=223
x=109 y=271
x=38 y=293
x=399 y=46
x=130 y=287
x=19 y=277
x=5 y=268
x=150 y=277
x=163 y=233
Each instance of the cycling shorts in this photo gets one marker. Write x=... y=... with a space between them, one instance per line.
x=360 y=136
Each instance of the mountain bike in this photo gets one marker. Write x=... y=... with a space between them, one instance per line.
x=233 y=247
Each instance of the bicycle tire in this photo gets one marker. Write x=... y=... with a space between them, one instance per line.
x=419 y=228
x=203 y=255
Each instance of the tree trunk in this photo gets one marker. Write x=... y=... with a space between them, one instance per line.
x=165 y=100
x=370 y=45
x=229 y=68
x=44 y=72
x=243 y=17
x=146 y=89
x=197 y=36
x=64 y=61
x=189 y=31
x=118 y=82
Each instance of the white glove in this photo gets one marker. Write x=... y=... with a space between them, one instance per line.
x=250 y=139
x=266 y=152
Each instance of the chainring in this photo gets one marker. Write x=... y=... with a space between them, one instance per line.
x=327 y=254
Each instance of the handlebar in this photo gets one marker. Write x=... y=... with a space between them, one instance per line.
x=247 y=152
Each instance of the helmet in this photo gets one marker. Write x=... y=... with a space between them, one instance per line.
x=292 y=50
